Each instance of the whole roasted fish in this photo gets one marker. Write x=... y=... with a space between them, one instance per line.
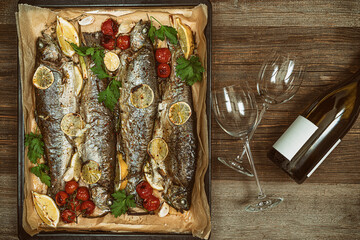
x=99 y=140
x=51 y=106
x=137 y=123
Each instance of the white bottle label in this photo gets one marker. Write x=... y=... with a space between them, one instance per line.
x=295 y=137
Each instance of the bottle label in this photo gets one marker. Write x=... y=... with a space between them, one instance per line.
x=327 y=154
x=295 y=137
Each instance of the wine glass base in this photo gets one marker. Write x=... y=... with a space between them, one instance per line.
x=263 y=204
x=235 y=165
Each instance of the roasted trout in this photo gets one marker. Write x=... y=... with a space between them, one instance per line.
x=51 y=106
x=137 y=124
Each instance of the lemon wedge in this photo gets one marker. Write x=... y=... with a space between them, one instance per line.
x=66 y=33
x=121 y=173
x=73 y=172
x=90 y=172
x=78 y=80
x=43 y=77
x=152 y=176
x=111 y=61
x=72 y=124
x=179 y=113
x=185 y=38
x=46 y=209
x=142 y=96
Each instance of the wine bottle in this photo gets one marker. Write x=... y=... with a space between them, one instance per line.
x=318 y=130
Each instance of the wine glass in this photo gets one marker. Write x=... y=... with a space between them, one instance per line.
x=279 y=79
x=236 y=112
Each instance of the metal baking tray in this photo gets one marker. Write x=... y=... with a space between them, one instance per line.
x=100 y=234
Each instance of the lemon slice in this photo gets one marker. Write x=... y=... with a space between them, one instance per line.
x=153 y=177
x=78 y=80
x=73 y=172
x=46 y=209
x=185 y=38
x=66 y=33
x=142 y=96
x=121 y=172
x=158 y=149
x=179 y=113
x=111 y=61
x=90 y=172
x=43 y=77
x=72 y=124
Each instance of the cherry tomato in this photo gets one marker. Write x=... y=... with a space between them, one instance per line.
x=61 y=197
x=144 y=189
x=68 y=216
x=123 y=42
x=88 y=206
x=151 y=203
x=83 y=194
x=163 y=70
x=75 y=205
x=71 y=186
x=108 y=42
x=163 y=55
x=110 y=27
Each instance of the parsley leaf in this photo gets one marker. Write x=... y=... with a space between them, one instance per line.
x=190 y=71
x=122 y=202
x=164 y=31
x=111 y=94
x=40 y=171
x=35 y=146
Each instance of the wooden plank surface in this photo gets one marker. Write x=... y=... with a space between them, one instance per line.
x=327 y=35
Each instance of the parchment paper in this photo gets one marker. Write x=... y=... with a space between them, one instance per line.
x=30 y=22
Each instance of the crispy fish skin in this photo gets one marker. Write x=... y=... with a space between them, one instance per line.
x=99 y=140
x=137 y=124
x=51 y=106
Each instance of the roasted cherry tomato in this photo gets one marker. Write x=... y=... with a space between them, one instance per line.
x=88 y=207
x=68 y=216
x=163 y=55
x=123 y=42
x=110 y=27
x=61 y=197
x=144 y=189
x=75 y=205
x=83 y=194
x=151 y=203
x=71 y=186
x=163 y=70
x=108 y=42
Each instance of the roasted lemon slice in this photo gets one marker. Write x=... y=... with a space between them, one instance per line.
x=46 y=209
x=121 y=172
x=43 y=77
x=153 y=177
x=179 y=113
x=111 y=61
x=90 y=172
x=185 y=38
x=66 y=33
x=78 y=80
x=72 y=124
x=158 y=149
x=142 y=96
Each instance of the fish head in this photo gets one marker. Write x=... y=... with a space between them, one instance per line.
x=48 y=50
x=101 y=197
x=179 y=198
x=139 y=35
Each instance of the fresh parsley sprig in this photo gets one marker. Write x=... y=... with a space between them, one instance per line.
x=110 y=95
x=190 y=71
x=121 y=203
x=164 y=31
x=35 y=146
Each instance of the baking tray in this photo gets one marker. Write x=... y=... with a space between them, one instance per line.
x=99 y=234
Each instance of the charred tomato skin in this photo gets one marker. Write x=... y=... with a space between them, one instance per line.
x=83 y=194
x=71 y=187
x=68 y=216
x=61 y=197
x=163 y=70
x=151 y=203
x=109 y=27
x=123 y=42
x=144 y=189
x=88 y=207
x=108 y=42
x=163 y=55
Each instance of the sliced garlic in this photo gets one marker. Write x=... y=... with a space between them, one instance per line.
x=86 y=21
x=164 y=210
x=126 y=26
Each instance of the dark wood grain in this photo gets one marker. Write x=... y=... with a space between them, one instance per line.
x=326 y=34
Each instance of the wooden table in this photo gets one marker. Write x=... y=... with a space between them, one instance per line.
x=327 y=34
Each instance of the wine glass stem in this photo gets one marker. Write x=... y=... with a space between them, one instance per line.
x=261 y=193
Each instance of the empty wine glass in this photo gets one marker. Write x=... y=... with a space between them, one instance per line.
x=236 y=112
x=279 y=79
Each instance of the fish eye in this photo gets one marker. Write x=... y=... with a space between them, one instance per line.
x=109 y=202
x=183 y=201
x=145 y=30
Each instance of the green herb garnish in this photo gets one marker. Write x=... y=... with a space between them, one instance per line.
x=122 y=202
x=35 y=146
x=164 y=31
x=111 y=94
x=190 y=71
